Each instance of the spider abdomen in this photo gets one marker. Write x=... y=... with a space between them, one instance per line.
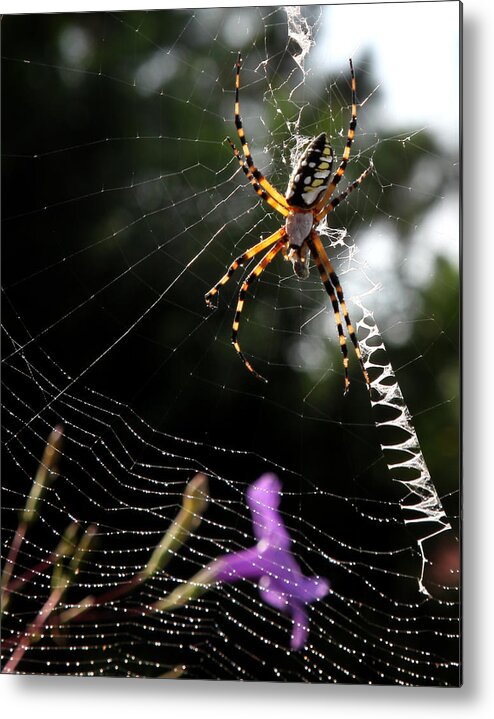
x=310 y=178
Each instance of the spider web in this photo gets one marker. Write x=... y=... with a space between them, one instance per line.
x=122 y=207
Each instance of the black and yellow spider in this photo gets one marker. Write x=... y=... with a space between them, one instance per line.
x=306 y=202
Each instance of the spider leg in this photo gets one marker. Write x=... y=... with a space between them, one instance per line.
x=258 y=269
x=331 y=292
x=262 y=193
x=331 y=205
x=346 y=154
x=331 y=283
x=257 y=174
x=240 y=260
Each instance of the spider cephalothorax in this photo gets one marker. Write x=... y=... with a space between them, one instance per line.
x=306 y=202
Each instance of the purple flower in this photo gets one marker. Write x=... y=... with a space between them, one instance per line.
x=270 y=561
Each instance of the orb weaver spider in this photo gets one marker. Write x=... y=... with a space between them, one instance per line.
x=306 y=202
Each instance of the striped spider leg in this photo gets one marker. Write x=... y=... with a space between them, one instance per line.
x=306 y=202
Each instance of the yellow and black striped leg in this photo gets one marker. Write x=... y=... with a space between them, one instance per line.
x=262 y=193
x=241 y=260
x=346 y=154
x=257 y=174
x=334 y=203
x=258 y=269
x=332 y=285
x=332 y=296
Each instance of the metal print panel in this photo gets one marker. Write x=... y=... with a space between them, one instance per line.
x=231 y=344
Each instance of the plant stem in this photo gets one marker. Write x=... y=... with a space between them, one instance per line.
x=46 y=473
x=11 y=561
x=33 y=630
x=194 y=504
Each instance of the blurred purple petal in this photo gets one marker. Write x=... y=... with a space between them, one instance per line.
x=282 y=584
x=271 y=594
x=300 y=631
x=263 y=499
x=238 y=565
x=310 y=589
